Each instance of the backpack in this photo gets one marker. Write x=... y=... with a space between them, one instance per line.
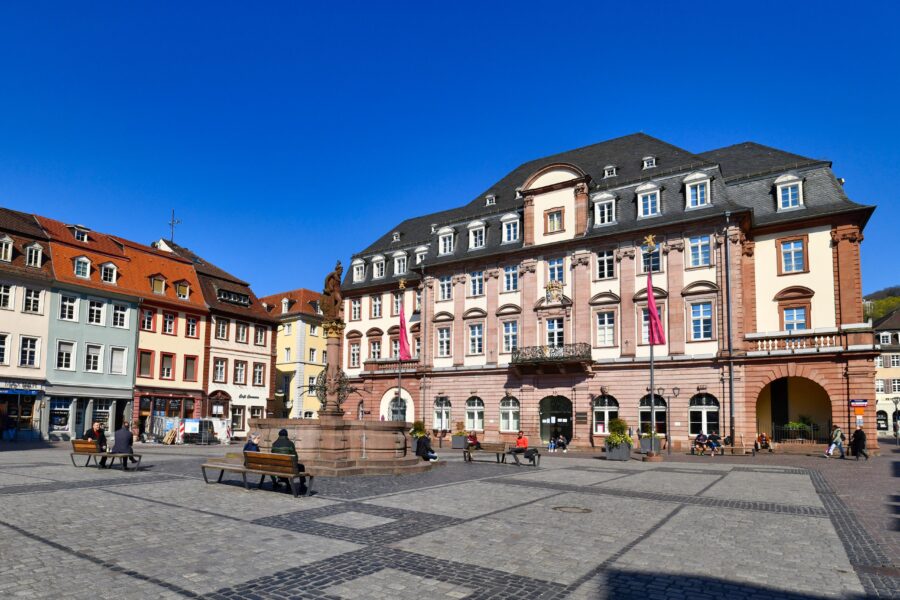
x=843 y=437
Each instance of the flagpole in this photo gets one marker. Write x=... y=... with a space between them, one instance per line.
x=399 y=353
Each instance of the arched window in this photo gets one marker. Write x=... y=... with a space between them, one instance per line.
x=398 y=409
x=881 y=420
x=659 y=407
x=442 y=413
x=509 y=414
x=360 y=411
x=704 y=414
x=474 y=414
x=606 y=408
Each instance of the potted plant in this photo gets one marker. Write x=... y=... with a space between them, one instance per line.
x=458 y=439
x=650 y=442
x=618 y=442
x=415 y=434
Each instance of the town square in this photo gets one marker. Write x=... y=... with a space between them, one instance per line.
x=359 y=301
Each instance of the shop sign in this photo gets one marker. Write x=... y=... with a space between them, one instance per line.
x=861 y=403
x=18 y=392
x=248 y=397
x=192 y=425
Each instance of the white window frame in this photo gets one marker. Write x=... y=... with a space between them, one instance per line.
x=7 y=296
x=260 y=332
x=220 y=325
x=645 y=254
x=477 y=235
x=311 y=385
x=697 y=244
x=355 y=313
x=606 y=258
x=645 y=208
x=695 y=182
x=604 y=209
x=445 y=288
x=602 y=414
x=359 y=271
x=287 y=354
x=36 y=350
x=375 y=349
x=510 y=414
x=703 y=319
x=74 y=306
x=312 y=355
x=559 y=265
x=240 y=372
x=4 y=348
x=190 y=326
x=895 y=386
x=476 y=339
x=648 y=162
x=645 y=321
x=879 y=386
x=376 y=309
x=474 y=414
x=510 y=336
x=511 y=278
x=609 y=171
x=400 y=264
x=182 y=287
x=783 y=183
x=446 y=243
x=354 y=355
x=72 y=355
x=884 y=338
x=90 y=312
x=396 y=302
x=99 y=355
x=605 y=321
x=28 y=298
x=153 y=281
x=420 y=256
x=34 y=253
x=794 y=321
x=796 y=247
x=556 y=336
x=124 y=350
x=86 y=262
x=6 y=248
x=80 y=234
x=895 y=360
x=220 y=370
x=378 y=269
x=259 y=374
x=511 y=228
x=476 y=283
x=442 y=410
x=107 y=268
x=444 y=340
x=555 y=221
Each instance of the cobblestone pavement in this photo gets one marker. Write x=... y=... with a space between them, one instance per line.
x=797 y=527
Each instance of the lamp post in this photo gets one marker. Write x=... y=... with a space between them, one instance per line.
x=896 y=421
x=662 y=391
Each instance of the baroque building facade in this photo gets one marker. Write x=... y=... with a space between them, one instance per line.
x=887 y=376
x=528 y=306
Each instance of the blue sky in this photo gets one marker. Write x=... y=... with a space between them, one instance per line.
x=288 y=135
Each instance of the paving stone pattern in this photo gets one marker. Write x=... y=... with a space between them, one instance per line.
x=579 y=528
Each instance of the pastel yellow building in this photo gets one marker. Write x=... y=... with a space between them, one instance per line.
x=300 y=350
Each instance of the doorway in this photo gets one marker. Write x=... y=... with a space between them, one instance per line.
x=556 y=417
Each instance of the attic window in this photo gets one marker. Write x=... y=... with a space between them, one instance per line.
x=359 y=271
x=158 y=285
x=6 y=245
x=396 y=236
x=649 y=162
x=183 y=290
x=490 y=200
x=609 y=171
x=108 y=273
x=82 y=267
x=285 y=304
x=81 y=235
x=433 y=227
x=33 y=255
x=236 y=298
x=789 y=191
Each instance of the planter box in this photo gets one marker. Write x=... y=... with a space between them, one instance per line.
x=645 y=444
x=620 y=452
x=458 y=442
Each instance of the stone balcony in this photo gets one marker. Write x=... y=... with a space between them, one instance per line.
x=857 y=337
x=568 y=358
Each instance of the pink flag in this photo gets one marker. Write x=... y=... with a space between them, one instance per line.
x=655 y=336
x=404 y=342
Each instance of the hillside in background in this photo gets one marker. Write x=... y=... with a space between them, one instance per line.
x=882 y=302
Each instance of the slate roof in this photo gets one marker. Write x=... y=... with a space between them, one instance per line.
x=889 y=322
x=24 y=230
x=742 y=179
x=299 y=302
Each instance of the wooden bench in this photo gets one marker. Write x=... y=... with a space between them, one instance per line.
x=498 y=448
x=91 y=450
x=535 y=459
x=264 y=464
x=739 y=448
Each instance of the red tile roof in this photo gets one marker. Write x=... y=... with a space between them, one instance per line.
x=299 y=302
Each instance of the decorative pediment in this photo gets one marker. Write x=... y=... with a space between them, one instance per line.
x=415 y=328
x=354 y=334
x=604 y=298
x=374 y=332
x=553 y=174
x=474 y=313
x=658 y=293
x=543 y=303
x=394 y=330
x=442 y=317
x=797 y=292
x=700 y=287
x=509 y=309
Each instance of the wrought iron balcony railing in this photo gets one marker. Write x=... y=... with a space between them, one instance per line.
x=540 y=354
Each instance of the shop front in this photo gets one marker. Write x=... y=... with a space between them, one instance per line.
x=72 y=410
x=21 y=404
x=157 y=410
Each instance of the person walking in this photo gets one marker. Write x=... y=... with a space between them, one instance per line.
x=858 y=443
x=837 y=442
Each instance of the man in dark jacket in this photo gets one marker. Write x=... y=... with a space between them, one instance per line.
x=858 y=443
x=283 y=445
x=124 y=444
x=96 y=433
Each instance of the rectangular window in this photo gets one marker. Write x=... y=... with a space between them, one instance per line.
x=418 y=302
x=312 y=355
x=511 y=231
x=311 y=385
x=510 y=279
x=190 y=368
x=240 y=372
x=396 y=297
x=476 y=238
x=33 y=256
x=148 y=316
x=145 y=363
x=651 y=260
x=120 y=316
x=444 y=342
x=117 y=361
x=879 y=386
x=884 y=338
x=606 y=264
x=287 y=355
x=354 y=355
x=555 y=337
x=645 y=323
x=5 y=296
x=605 y=213
x=259 y=374
x=510 y=336
x=67 y=307
x=4 y=356
x=476 y=338
x=355 y=311
x=359 y=272
x=167 y=366
x=895 y=360
x=376 y=308
x=395 y=348
x=168 y=323
x=554 y=220
x=700 y=251
x=895 y=386
x=879 y=361
x=182 y=290
x=649 y=204
x=400 y=265
x=313 y=329
x=64 y=353
x=446 y=243
x=222 y=329
x=375 y=350
x=792 y=257
x=555 y=269
x=237 y=418
x=108 y=274
x=790 y=196
x=476 y=283
x=95 y=312
x=82 y=268
x=158 y=285
x=28 y=353
x=220 y=367
x=32 y=301
x=93 y=358
x=794 y=318
x=445 y=287
x=190 y=327
x=701 y=321
x=241 y=332
x=6 y=250
x=417 y=347
x=379 y=269
x=698 y=194
x=259 y=334
x=606 y=328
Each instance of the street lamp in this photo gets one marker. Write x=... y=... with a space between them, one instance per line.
x=675 y=391
x=896 y=421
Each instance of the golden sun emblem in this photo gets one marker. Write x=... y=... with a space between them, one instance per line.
x=650 y=242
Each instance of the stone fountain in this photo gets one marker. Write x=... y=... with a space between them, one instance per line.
x=332 y=445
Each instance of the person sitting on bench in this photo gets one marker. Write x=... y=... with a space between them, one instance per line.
x=762 y=442
x=96 y=433
x=700 y=443
x=714 y=442
x=283 y=445
x=472 y=441
x=425 y=450
x=124 y=444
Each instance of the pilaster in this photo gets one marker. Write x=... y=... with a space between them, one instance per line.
x=626 y=259
x=581 y=292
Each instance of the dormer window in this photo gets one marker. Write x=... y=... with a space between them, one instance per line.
x=80 y=232
x=609 y=171
x=421 y=253
x=400 y=263
x=476 y=235
x=182 y=290
x=648 y=200
x=359 y=271
x=789 y=191
x=510 y=228
x=445 y=241
x=158 y=285
x=604 y=209
x=82 y=267
x=285 y=305
x=108 y=273
x=378 y=267
x=396 y=236
x=6 y=246
x=649 y=162
x=696 y=190
x=33 y=255
x=490 y=200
